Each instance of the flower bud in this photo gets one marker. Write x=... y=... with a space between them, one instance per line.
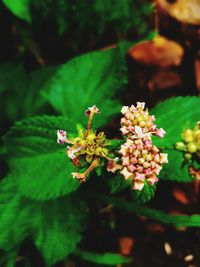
x=188 y=136
x=191 y=147
x=180 y=146
x=188 y=156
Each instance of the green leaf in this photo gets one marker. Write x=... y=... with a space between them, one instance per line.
x=145 y=194
x=177 y=169
x=55 y=226
x=19 y=8
x=38 y=163
x=174 y=116
x=117 y=183
x=106 y=258
x=14 y=215
x=44 y=176
x=35 y=135
x=58 y=229
x=20 y=90
x=93 y=78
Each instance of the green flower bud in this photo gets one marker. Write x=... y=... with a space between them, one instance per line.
x=91 y=136
x=188 y=156
x=98 y=151
x=188 y=136
x=191 y=147
x=180 y=146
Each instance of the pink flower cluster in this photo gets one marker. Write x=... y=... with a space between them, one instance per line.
x=140 y=158
x=138 y=123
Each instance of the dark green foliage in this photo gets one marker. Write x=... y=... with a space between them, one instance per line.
x=35 y=135
x=45 y=176
x=117 y=183
x=174 y=116
x=145 y=194
x=14 y=215
x=58 y=226
x=177 y=169
x=19 y=8
x=54 y=226
x=40 y=165
x=105 y=259
x=21 y=90
x=93 y=78
x=90 y=18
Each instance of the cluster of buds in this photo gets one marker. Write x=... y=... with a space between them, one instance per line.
x=88 y=148
x=191 y=142
x=141 y=160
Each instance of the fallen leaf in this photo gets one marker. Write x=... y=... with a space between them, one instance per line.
x=126 y=244
x=185 y=11
x=180 y=196
x=160 y=52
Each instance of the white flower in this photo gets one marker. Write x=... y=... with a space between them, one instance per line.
x=140 y=105
x=71 y=152
x=124 y=109
x=92 y=110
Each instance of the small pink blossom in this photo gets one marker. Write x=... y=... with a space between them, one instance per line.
x=61 y=137
x=138 y=185
x=126 y=173
x=124 y=130
x=139 y=176
x=152 y=179
x=163 y=158
x=113 y=166
x=140 y=105
x=160 y=132
x=125 y=161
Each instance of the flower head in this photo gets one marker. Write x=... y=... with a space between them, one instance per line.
x=137 y=122
x=140 y=159
x=88 y=148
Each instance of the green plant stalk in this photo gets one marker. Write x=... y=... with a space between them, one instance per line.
x=177 y=220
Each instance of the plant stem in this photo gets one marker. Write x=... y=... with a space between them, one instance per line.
x=178 y=220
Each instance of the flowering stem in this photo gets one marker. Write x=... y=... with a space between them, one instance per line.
x=178 y=220
x=93 y=165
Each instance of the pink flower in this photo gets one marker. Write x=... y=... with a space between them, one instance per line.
x=163 y=158
x=125 y=161
x=113 y=166
x=140 y=105
x=160 y=132
x=152 y=179
x=138 y=185
x=124 y=130
x=61 y=137
x=139 y=176
x=126 y=173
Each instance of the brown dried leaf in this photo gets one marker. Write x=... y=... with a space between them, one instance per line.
x=160 y=52
x=185 y=11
